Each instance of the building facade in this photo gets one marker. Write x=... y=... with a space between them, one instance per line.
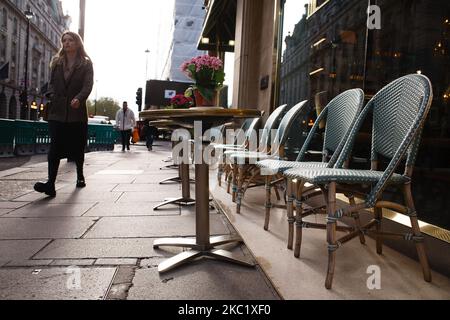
x=188 y=17
x=46 y=27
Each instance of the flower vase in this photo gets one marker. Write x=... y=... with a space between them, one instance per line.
x=200 y=101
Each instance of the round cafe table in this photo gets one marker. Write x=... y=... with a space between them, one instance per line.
x=203 y=245
x=183 y=171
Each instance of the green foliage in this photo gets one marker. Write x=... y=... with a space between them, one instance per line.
x=105 y=107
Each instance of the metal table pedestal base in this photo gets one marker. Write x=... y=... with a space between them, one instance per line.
x=198 y=251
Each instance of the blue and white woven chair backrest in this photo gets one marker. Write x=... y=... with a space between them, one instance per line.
x=271 y=124
x=399 y=108
x=252 y=128
x=286 y=123
x=341 y=113
x=399 y=112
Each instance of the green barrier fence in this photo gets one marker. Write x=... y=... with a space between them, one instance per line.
x=101 y=137
x=25 y=137
x=42 y=145
x=6 y=138
x=22 y=137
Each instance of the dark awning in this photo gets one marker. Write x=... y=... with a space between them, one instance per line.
x=219 y=27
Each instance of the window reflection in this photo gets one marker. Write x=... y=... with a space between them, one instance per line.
x=331 y=50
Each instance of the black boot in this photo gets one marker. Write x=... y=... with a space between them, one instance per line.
x=81 y=183
x=46 y=187
x=49 y=187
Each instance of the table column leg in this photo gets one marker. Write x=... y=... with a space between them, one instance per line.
x=203 y=246
x=202 y=206
x=185 y=199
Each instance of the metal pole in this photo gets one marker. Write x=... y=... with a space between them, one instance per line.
x=146 y=65
x=82 y=18
x=27 y=115
x=146 y=78
x=95 y=104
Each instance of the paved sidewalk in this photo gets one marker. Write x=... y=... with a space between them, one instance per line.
x=96 y=242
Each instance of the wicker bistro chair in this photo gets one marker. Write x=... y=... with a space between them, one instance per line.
x=399 y=112
x=245 y=162
x=244 y=133
x=340 y=114
x=272 y=122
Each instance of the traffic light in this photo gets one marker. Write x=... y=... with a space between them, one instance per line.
x=23 y=98
x=139 y=98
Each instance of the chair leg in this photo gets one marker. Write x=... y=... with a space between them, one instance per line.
x=298 y=218
x=229 y=179
x=379 y=240
x=420 y=246
x=277 y=193
x=331 y=233
x=219 y=174
x=234 y=182
x=268 y=202
x=240 y=182
x=355 y=215
x=290 y=212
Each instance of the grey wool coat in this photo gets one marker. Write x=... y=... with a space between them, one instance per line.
x=61 y=92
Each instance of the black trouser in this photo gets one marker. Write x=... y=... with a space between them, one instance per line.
x=126 y=135
x=149 y=139
x=68 y=140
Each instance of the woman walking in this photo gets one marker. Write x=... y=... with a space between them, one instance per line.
x=71 y=81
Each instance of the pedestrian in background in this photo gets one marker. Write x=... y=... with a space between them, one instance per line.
x=125 y=122
x=71 y=81
x=150 y=133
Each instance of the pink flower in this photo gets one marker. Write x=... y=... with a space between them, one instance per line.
x=181 y=101
x=205 y=70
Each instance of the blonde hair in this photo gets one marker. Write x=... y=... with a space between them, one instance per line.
x=61 y=55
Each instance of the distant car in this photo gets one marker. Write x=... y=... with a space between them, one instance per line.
x=99 y=119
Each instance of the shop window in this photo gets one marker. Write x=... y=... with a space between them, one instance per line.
x=4 y=19
x=331 y=50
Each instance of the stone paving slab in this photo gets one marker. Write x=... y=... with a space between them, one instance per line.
x=44 y=228
x=155 y=196
x=172 y=187
x=12 y=171
x=31 y=196
x=125 y=170
x=12 y=204
x=83 y=197
x=3 y=262
x=10 y=190
x=114 y=217
x=20 y=249
x=115 y=262
x=99 y=248
x=55 y=283
x=40 y=210
x=28 y=175
x=201 y=280
x=5 y=211
x=130 y=209
x=112 y=178
x=73 y=262
x=29 y=263
x=155 y=179
x=92 y=186
x=147 y=227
